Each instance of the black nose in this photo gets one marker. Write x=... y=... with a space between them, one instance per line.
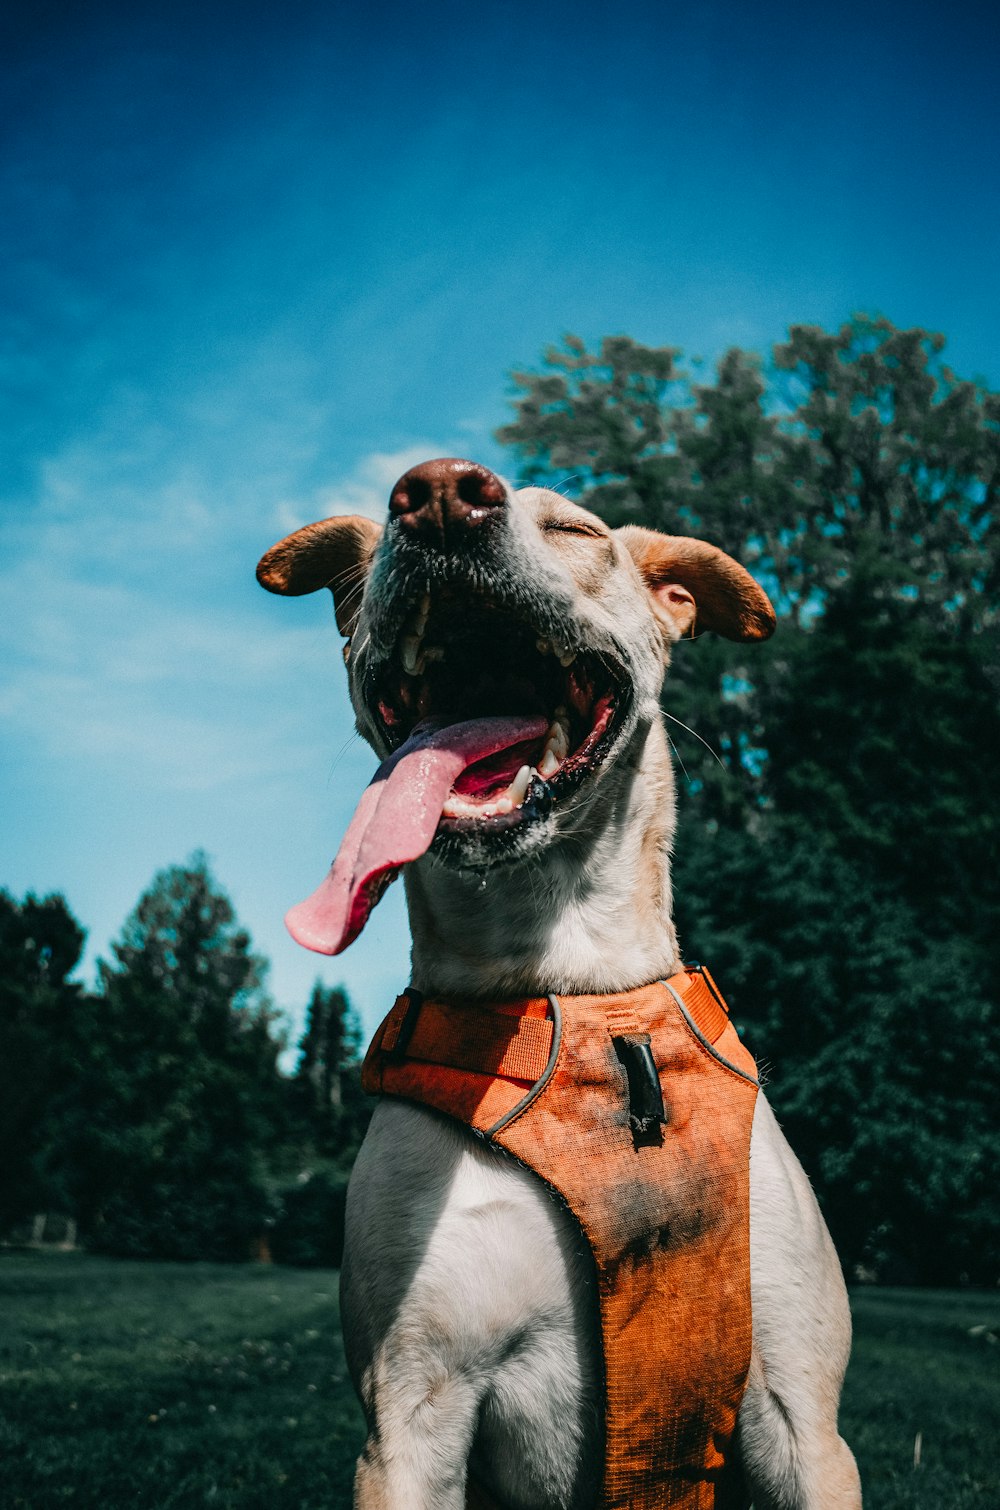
x=445 y=502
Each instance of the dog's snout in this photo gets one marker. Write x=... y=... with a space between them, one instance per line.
x=444 y=501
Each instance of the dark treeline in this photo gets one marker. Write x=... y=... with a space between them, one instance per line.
x=838 y=852
x=152 y=1112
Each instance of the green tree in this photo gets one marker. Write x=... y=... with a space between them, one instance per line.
x=853 y=922
x=326 y=1072
x=40 y=946
x=175 y=1105
x=837 y=861
x=860 y=451
x=331 y=1114
x=857 y=458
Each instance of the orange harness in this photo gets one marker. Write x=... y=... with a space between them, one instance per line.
x=636 y=1109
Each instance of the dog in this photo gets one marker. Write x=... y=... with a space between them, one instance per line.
x=469 y=1326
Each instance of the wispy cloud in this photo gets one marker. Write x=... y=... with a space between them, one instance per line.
x=137 y=638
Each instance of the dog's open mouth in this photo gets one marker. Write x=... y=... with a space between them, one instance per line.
x=490 y=723
x=455 y=664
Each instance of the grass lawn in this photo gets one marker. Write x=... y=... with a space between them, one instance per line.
x=925 y=1361
x=126 y=1384
x=132 y=1384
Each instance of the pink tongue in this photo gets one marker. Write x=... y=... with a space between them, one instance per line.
x=395 y=822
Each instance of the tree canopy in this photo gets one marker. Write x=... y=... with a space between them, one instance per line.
x=838 y=850
x=857 y=453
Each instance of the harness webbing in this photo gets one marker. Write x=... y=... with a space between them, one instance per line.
x=513 y=1040
x=636 y=1108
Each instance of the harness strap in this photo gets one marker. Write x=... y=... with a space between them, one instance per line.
x=702 y=999
x=513 y=1040
x=479 y=1038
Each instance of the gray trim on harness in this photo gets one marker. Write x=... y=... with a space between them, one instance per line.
x=543 y=1078
x=704 y=1041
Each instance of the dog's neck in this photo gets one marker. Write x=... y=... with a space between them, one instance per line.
x=592 y=913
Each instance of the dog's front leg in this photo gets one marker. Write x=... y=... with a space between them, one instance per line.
x=418 y=1445
x=794 y=1456
x=466 y=1308
x=410 y=1288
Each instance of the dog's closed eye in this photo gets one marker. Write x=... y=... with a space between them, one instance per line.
x=574 y=527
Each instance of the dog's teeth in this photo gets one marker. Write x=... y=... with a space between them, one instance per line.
x=409 y=650
x=549 y=764
x=422 y=615
x=457 y=807
x=518 y=789
x=543 y=647
x=556 y=746
x=567 y=657
x=557 y=738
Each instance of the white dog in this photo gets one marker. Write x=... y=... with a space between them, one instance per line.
x=471 y=1335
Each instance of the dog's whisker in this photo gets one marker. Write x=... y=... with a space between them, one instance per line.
x=680 y=759
x=351 y=596
x=715 y=755
x=350 y=577
x=341 y=753
x=565 y=482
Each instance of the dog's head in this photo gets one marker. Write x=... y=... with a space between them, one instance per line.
x=520 y=620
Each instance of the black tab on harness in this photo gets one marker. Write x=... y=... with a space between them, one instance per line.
x=646 y=1113
x=414 y=1001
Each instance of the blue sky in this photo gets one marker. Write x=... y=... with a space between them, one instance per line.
x=254 y=261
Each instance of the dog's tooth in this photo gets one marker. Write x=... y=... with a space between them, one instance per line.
x=543 y=647
x=409 y=650
x=557 y=740
x=549 y=763
x=567 y=658
x=518 y=789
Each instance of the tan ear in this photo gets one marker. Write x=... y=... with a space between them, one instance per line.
x=695 y=585
x=335 y=553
